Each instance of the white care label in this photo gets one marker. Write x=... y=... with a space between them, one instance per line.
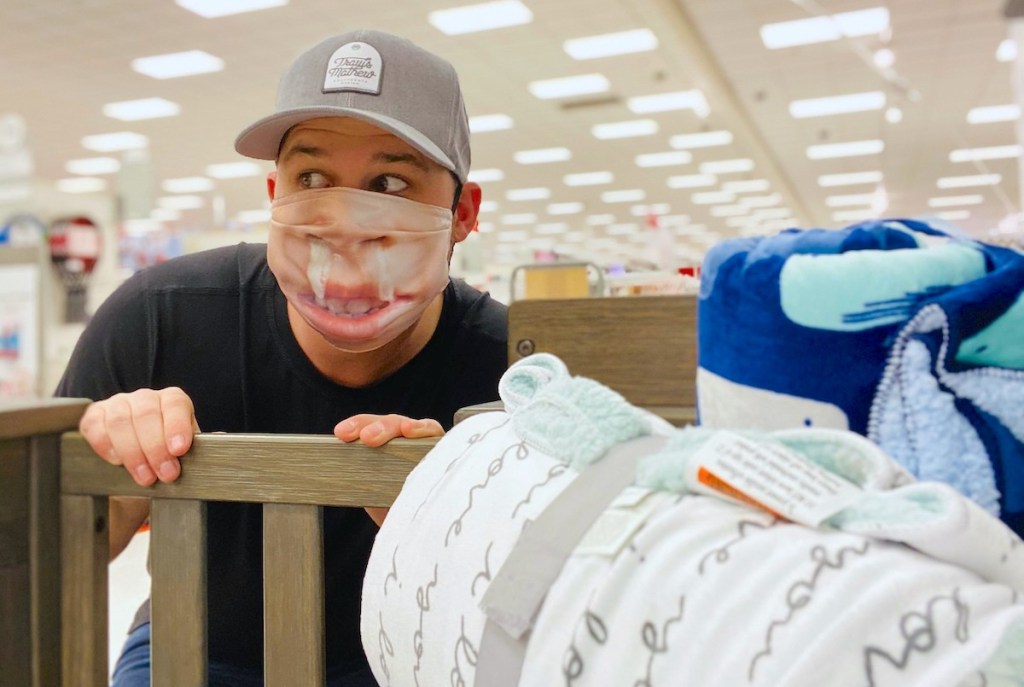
x=770 y=477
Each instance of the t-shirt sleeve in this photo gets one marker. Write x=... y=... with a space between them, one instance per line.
x=114 y=353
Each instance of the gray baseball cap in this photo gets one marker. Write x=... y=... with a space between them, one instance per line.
x=376 y=77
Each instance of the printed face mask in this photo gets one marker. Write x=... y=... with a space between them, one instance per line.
x=359 y=267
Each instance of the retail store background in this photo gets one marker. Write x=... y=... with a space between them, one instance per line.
x=636 y=185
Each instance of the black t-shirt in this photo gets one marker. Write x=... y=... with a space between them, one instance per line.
x=215 y=324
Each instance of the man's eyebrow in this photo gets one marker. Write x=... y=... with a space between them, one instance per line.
x=302 y=149
x=414 y=160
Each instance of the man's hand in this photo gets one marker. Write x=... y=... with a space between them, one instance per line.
x=377 y=430
x=146 y=431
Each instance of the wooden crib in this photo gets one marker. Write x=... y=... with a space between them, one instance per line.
x=54 y=491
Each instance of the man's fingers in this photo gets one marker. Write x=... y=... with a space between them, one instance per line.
x=119 y=428
x=419 y=429
x=179 y=420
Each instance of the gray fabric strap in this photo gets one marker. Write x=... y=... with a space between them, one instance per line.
x=516 y=593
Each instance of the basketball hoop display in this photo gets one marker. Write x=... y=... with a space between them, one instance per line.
x=74 y=249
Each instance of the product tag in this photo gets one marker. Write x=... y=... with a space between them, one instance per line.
x=617 y=525
x=770 y=477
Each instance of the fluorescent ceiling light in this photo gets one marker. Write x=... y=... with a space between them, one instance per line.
x=541 y=155
x=588 y=178
x=692 y=181
x=485 y=227
x=109 y=143
x=1007 y=50
x=491 y=122
x=828 y=151
x=828 y=28
x=211 y=9
x=853 y=215
x=742 y=164
x=488 y=206
x=759 y=201
x=624 y=229
x=703 y=140
x=141 y=227
x=850 y=179
x=180 y=202
x=850 y=199
x=728 y=210
x=674 y=157
x=565 y=208
x=568 y=86
x=893 y=115
x=600 y=220
x=739 y=221
x=884 y=58
x=665 y=102
x=949 y=201
x=482 y=17
x=673 y=220
x=993 y=113
x=536 y=193
x=990 y=153
x=81 y=185
x=146 y=108
x=635 y=127
x=513 y=236
x=519 y=218
x=953 y=215
x=712 y=197
x=969 y=181
x=233 y=170
x=253 y=216
x=838 y=104
x=174 y=65
x=746 y=186
x=657 y=209
x=606 y=45
x=577 y=236
x=623 y=196
x=549 y=228
x=481 y=176
x=93 y=165
x=187 y=185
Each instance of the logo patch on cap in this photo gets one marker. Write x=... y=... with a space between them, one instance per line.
x=354 y=67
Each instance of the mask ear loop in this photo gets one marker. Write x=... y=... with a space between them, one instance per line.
x=458 y=192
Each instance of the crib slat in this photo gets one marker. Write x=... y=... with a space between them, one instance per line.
x=293 y=595
x=44 y=557
x=178 y=551
x=84 y=552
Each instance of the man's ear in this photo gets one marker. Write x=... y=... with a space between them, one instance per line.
x=466 y=211
x=271 y=184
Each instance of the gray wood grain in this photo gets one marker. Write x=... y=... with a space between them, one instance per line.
x=644 y=347
x=178 y=554
x=293 y=595
x=312 y=470
x=42 y=416
x=84 y=555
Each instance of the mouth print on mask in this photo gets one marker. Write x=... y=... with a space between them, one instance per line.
x=359 y=267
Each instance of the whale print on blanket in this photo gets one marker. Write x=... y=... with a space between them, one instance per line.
x=909 y=584
x=891 y=329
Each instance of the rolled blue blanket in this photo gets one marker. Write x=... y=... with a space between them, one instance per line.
x=892 y=329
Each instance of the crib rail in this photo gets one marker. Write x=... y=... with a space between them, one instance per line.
x=54 y=489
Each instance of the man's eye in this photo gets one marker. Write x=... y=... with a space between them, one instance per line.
x=386 y=183
x=312 y=180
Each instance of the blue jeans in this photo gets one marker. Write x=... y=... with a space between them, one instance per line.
x=132 y=669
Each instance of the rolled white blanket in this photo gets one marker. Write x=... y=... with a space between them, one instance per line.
x=666 y=586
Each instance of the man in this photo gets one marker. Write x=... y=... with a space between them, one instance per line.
x=346 y=314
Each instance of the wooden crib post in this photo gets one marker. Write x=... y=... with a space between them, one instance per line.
x=293 y=595
x=178 y=555
x=85 y=550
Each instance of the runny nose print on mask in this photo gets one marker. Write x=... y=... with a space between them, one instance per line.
x=359 y=267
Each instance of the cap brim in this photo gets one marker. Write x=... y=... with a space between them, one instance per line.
x=262 y=140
